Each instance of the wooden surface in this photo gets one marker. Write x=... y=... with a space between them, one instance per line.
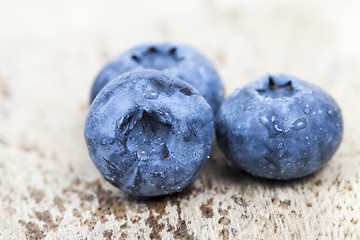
x=50 y=52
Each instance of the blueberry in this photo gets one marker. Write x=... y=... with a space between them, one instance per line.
x=148 y=133
x=178 y=60
x=279 y=127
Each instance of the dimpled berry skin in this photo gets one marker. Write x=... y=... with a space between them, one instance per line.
x=148 y=133
x=279 y=127
x=178 y=60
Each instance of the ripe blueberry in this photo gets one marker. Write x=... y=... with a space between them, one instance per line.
x=148 y=133
x=279 y=127
x=178 y=60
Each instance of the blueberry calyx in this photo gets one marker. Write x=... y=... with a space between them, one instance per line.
x=145 y=133
x=273 y=85
x=153 y=58
x=275 y=90
x=151 y=50
x=135 y=58
x=172 y=51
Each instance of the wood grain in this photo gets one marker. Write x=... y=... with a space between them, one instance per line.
x=49 y=55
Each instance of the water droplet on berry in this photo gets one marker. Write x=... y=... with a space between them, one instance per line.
x=142 y=155
x=277 y=128
x=307 y=109
x=151 y=95
x=299 y=124
x=103 y=142
x=264 y=120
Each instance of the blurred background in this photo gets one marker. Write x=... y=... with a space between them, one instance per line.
x=50 y=52
x=244 y=39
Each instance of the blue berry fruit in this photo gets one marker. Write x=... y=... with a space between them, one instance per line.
x=148 y=133
x=279 y=127
x=178 y=60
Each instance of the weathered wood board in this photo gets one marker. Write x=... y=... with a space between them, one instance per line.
x=49 y=55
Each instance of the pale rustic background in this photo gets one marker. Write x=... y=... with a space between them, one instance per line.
x=50 y=52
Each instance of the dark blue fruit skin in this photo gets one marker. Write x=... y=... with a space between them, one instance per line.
x=148 y=133
x=178 y=60
x=279 y=127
